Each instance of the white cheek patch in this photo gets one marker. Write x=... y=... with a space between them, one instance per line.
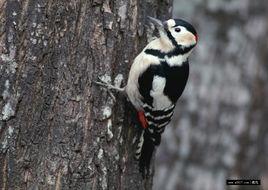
x=184 y=37
x=179 y=34
x=188 y=39
x=160 y=101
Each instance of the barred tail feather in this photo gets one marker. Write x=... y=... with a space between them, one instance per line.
x=144 y=152
x=156 y=121
x=139 y=146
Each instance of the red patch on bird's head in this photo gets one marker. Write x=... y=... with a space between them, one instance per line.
x=196 y=38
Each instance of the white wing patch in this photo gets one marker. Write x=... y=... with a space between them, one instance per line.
x=160 y=100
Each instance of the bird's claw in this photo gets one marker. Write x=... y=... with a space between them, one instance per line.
x=102 y=83
x=109 y=87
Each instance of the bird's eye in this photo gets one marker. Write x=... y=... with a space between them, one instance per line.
x=177 y=29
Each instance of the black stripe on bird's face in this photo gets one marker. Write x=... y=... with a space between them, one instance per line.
x=171 y=38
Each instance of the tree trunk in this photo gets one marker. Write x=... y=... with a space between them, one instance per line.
x=57 y=129
x=220 y=129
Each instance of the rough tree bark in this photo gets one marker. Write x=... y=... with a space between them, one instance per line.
x=221 y=127
x=58 y=130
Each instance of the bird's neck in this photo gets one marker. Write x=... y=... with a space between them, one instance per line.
x=174 y=56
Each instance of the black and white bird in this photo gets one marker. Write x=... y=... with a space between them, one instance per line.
x=157 y=79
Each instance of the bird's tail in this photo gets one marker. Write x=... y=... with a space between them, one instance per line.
x=144 y=152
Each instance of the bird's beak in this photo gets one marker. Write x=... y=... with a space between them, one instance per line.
x=157 y=23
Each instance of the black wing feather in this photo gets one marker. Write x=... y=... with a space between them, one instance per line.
x=176 y=78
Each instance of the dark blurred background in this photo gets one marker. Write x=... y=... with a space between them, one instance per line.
x=220 y=129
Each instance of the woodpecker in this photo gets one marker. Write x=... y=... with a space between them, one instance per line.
x=157 y=79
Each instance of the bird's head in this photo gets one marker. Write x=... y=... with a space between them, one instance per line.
x=176 y=32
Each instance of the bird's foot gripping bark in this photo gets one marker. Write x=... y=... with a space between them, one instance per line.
x=109 y=87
